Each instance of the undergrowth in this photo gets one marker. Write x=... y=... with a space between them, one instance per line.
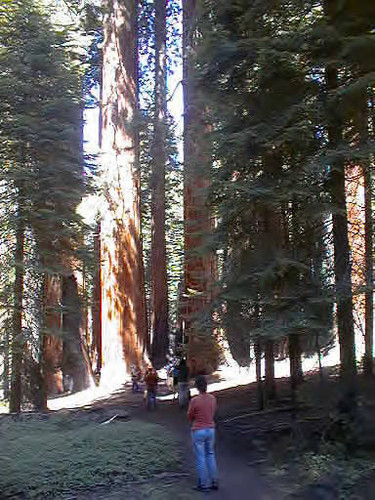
x=44 y=459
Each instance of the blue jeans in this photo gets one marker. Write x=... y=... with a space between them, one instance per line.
x=205 y=462
x=151 y=398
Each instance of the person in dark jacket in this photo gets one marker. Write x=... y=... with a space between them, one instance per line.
x=183 y=384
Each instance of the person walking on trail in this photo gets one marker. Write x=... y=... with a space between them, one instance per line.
x=201 y=414
x=183 y=384
x=151 y=380
x=136 y=376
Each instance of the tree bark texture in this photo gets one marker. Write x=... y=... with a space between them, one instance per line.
x=198 y=267
x=18 y=343
x=52 y=342
x=124 y=328
x=74 y=360
x=159 y=287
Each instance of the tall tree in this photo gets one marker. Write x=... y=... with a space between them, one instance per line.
x=41 y=158
x=197 y=214
x=18 y=341
x=124 y=330
x=159 y=287
x=343 y=282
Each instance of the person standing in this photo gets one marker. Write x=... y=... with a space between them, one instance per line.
x=183 y=384
x=151 y=379
x=201 y=414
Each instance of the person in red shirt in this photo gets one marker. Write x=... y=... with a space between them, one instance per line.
x=201 y=414
x=151 y=379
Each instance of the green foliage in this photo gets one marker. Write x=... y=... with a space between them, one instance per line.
x=48 y=458
x=41 y=160
x=174 y=175
x=261 y=69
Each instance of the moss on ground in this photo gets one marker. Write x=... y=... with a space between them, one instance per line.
x=42 y=459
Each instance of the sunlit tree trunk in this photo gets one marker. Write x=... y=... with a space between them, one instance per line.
x=18 y=343
x=197 y=216
x=124 y=328
x=159 y=287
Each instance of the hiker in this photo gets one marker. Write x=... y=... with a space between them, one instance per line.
x=201 y=413
x=136 y=377
x=151 y=380
x=183 y=384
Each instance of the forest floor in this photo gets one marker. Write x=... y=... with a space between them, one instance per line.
x=265 y=455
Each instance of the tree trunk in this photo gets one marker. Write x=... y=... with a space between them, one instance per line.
x=197 y=215
x=368 y=367
x=51 y=343
x=270 y=385
x=258 y=370
x=18 y=343
x=159 y=289
x=97 y=305
x=74 y=360
x=345 y=322
x=124 y=327
x=295 y=359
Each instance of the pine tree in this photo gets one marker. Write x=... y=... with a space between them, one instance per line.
x=42 y=160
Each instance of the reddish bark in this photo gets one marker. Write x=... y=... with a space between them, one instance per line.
x=198 y=269
x=159 y=290
x=52 y=342
x=124 y=330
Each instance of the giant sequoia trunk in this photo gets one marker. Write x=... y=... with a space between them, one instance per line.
x=75 y=361
x=51 y=341
x=124 y=328
x=18 y=343
x=197 y=216
x=159 y=289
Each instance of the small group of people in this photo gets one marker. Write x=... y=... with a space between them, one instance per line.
x=201 y=415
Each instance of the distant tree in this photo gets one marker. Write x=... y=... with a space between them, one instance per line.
x=159 y=291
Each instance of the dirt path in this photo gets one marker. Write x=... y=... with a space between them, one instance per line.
x=238 y=479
